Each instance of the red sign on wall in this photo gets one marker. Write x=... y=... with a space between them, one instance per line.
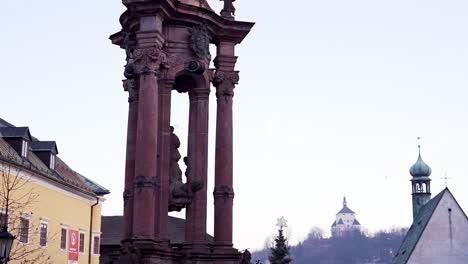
x=73 y=245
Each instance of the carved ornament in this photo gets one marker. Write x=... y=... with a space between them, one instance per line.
x=149 y=60
x=131 y=87
x=200 y=41
x=180 y=194
x=224 y=191
x=225 y=82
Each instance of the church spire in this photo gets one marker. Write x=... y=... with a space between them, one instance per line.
x=421 y=183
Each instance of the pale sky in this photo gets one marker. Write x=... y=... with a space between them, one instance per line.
x=333 y=95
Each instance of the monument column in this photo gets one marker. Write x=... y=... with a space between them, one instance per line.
x=197 y=166
x=225 y=79
x=131 y=87
x=148 y=59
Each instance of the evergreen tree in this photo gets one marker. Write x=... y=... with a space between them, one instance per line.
x=280 y=251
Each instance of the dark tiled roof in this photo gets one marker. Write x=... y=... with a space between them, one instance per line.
x=346 y=210
x=62 y=173
x=416 y=230
x=356 y=222
x=340 y=222
x=15 y=132
x=44 y=146
x=112 y=230
x=334 y=224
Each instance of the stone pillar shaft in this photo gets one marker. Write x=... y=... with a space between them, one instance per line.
x=225 y=79
x=132 y=88
x=164 y=157
x=198 y=165
x=146 y=155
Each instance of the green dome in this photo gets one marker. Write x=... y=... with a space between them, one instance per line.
x=420 y=168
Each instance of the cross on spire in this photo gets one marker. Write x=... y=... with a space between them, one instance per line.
x=282 y=222
x=446 y=179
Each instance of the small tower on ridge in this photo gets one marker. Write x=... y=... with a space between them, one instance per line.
x=421 y=184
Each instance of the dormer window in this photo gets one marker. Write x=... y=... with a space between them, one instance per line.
x=24 y=149
x=52 y=161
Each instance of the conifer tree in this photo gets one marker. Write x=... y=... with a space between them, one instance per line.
x=280 y=251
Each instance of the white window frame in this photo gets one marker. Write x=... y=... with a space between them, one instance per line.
x=52 y=161
x=24 y=149
x=96 y=234
x=44 y=221
x=82 y=231
x=63 y=226
x=25 y=217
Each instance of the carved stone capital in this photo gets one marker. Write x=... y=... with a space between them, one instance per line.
x=130 y=86
x=149 y=60
x=225 y=82
x=224 y=191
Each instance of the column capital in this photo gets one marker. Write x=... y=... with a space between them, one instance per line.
x=131 y=87
x=225 y=81
x=149 y=60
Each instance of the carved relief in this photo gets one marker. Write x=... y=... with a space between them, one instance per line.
x=200 y=41
x=180 y=194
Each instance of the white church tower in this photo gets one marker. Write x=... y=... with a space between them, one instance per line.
x=345 y=221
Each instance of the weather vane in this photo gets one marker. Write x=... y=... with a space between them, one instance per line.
x=282 y=222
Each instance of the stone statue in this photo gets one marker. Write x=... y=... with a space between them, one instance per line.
x=229 y=10
x=200 y=41
x=246 y=257
x=180 y=194
x=129 y=254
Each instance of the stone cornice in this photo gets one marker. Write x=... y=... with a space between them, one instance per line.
x=223 y=29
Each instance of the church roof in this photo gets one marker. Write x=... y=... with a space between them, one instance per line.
x=416 y=230
x=356 y=222
x=346 y=210
x=340 y=222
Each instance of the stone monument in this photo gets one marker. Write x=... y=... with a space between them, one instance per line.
x=167 y=49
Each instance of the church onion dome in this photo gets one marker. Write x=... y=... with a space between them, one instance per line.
x=420 y=168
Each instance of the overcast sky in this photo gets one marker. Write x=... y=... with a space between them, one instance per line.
x=333 y=95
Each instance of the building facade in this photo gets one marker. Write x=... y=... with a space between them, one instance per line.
x=53 y=211
x=439 y=233
x=345 y=221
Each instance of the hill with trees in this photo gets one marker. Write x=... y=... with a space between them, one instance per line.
x=351 y=248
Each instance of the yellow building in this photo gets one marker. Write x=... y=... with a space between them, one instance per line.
x=54 y=212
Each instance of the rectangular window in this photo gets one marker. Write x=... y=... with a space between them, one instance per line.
x=52 y=161
x=24 y=149
x=63 y=239
x=82 y=242
x=24 y=230
x=96 y=244
x=43 y=234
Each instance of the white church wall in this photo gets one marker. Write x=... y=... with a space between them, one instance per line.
x=445 y=239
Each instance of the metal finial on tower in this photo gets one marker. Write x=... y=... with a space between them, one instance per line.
x=419 y=145
x=345 y=204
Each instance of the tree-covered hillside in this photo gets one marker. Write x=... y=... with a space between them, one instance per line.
x=353 y=248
